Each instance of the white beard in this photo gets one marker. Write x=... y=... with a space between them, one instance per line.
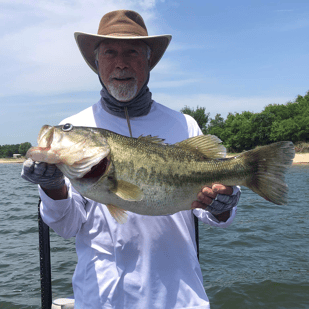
x=122 y=93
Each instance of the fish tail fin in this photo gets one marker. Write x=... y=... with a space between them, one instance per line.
x=269 y=164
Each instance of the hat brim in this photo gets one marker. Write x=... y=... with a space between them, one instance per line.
x=87 y=43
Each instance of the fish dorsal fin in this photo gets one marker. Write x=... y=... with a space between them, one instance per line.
x=151 y=139
x=117 y=213
x=207 y=145
x=128 y=191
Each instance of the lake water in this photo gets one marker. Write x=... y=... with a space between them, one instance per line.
x=261 y=261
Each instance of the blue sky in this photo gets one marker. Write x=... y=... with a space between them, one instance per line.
x=227 y=56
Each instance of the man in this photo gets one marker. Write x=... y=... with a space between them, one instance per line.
x=148 y=262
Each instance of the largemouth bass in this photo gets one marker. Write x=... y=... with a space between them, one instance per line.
x=146 y=176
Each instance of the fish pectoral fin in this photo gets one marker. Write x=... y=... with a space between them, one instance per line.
x=128 y=191
x=117 y=213
x=207 y=145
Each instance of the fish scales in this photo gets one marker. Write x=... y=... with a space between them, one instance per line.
x=184 y=166
x=146 y=176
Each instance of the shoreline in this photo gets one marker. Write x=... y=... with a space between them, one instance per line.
x=9 y=161
x=300 y=158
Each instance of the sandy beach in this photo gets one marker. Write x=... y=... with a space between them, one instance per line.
x=6 y=161
x=300 y=158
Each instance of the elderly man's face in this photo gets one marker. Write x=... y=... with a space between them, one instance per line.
x=123 y=67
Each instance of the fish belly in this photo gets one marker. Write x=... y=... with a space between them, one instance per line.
x=157 y=200
x=163 y=200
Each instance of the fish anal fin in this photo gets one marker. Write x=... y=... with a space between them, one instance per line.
x=128 y=191
x=117 y=213
x=207 y=145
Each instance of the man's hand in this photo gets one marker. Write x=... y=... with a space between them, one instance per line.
x=218 y=200
x=48 y=176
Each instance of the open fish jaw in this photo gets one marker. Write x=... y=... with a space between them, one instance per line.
x=80 y=169
x=75 y=152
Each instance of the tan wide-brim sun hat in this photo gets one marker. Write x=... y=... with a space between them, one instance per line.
x=121 y=25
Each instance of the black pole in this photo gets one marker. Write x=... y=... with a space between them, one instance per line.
x=45 y=268
x=197 y=237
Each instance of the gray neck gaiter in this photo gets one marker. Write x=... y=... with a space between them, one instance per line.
x=139 y=106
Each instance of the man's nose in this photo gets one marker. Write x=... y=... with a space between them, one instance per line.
x=121 y=62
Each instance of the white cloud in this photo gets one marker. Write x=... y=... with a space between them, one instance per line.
x=38 y=52
x=148 y=4
x=166 y=66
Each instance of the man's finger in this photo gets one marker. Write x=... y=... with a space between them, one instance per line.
x=50 y=170
x=204 y=198
x=208 y=191
x=28 y=166
x=222 y=189
x=39 y=168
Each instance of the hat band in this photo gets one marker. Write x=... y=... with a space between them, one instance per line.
x=122 y=34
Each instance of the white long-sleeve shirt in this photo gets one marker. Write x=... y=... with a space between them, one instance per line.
x=150 y=261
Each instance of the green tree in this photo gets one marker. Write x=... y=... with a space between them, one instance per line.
x=237 y=135
x=261 y=128
x=303 y=134
x=7 y=151
x=218 y=121
x=246 y=130
x=285 y=130
x=24 y=147
x=216 y=126
x=280 y=111
x=200 y=116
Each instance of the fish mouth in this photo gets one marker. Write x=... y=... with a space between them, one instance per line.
x=98 y=170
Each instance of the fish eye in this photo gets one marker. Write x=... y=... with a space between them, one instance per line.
x=67 y=127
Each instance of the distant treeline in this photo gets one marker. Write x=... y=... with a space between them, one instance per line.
x=277 y=122
x=7 y=151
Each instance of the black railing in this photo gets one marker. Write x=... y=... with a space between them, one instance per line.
x=45 y=265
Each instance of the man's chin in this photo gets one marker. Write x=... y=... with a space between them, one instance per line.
x=123 y=95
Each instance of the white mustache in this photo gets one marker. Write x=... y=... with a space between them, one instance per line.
x=122 y=74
